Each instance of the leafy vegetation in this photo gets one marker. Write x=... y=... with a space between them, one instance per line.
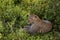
x=13 y=16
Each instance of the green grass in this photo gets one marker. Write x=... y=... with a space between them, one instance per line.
x=13 y=16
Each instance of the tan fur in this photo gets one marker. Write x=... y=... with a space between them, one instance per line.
x=38 y=24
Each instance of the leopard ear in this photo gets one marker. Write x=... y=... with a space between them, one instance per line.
x=36 y=16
